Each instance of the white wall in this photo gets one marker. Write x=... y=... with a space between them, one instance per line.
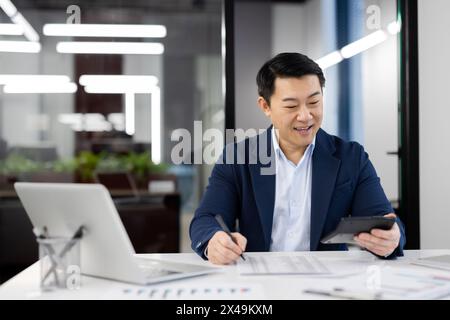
x=288 y=31
x=252 y=48
x=434 y=115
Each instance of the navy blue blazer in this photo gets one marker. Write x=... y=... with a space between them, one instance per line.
x=344 y=182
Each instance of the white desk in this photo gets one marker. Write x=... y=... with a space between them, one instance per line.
x=26 y=284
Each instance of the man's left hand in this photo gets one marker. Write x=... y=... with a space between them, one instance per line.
x=381 y=242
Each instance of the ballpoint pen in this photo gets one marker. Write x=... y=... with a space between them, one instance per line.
x=344 y=294
x=51 y=253
x=77 y=235
x=226 y=230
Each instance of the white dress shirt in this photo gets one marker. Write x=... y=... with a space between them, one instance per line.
x=292 y=211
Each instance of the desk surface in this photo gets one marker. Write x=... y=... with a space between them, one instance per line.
x=26 y=284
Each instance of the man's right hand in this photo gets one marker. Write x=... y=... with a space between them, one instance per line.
x=222 y=250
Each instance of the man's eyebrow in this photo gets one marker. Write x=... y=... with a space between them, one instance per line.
x=289 y=99
x=315 y=94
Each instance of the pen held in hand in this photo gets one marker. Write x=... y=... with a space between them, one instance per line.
x=226 y=230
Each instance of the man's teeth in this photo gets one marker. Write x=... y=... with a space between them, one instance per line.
x=302 y=128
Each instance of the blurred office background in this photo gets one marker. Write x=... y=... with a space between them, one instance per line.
x=196 y=60
x=112 y=130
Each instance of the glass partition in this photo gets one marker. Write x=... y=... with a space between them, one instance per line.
x=95 y=92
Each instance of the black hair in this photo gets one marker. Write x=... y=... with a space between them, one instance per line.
x=285 y=65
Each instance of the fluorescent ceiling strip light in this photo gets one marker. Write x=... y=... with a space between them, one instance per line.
x=156 y=125
x=118 y=121
x=92 y=127
x=20 y=46
x=16 y=17
x=330 y=60
x=116 y=89
x=34 y=78
x=117 y=84
x=129 y=114
x=92 y=121
x=364 y=44
x=129 y=85
x=9 y=8
x=10 y=29
x=394 y=27
x=85 y=122
x=359 y=46
x=110 y=47
x=28 y=30
x=70 y=118
x=110 y=80
x=40 y=88
x=105 y=30
x=218 y=117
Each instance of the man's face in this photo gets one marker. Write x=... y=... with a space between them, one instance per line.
x=296 y=110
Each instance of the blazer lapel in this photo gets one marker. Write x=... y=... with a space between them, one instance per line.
x=263 y=182
x=324 y=172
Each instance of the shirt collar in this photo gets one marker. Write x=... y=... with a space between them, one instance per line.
x=280 y=152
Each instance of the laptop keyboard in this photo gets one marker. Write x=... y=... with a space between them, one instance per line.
x=151 y=271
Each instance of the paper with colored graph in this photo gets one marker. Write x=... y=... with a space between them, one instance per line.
x=187 y=292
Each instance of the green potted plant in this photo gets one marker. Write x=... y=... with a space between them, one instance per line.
x=141 y=166
x=16 y=167
x=86 y=163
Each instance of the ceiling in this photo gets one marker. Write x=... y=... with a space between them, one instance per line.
x=157 y=5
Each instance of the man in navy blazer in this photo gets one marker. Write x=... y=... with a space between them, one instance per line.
x=286 y=188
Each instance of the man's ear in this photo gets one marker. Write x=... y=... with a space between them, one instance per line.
x=264 y=106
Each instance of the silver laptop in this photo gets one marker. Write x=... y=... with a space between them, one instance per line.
x=106 y=250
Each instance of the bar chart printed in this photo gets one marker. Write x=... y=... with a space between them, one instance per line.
x=161 y=292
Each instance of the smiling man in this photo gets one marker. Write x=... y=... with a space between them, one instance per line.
x=318 y=178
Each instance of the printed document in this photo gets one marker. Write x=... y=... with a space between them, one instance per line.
x=286 y=264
